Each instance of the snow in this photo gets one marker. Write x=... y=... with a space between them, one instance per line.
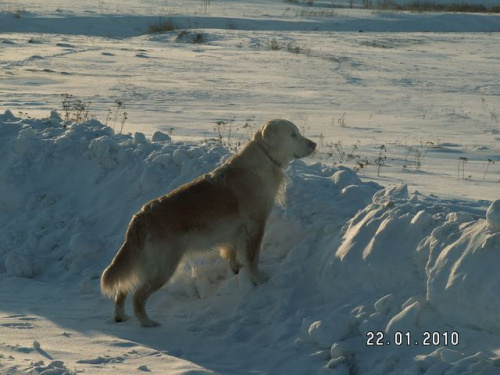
x=493 y=216
x=389 y=234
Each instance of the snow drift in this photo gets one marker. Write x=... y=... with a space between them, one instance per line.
x=348 y=259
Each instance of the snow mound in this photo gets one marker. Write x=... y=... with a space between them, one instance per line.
x=412 y=268
x=382 y=236
x=462 y=276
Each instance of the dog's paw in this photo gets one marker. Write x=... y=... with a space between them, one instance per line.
x=121 y=318
x=258 y=277
x=146 y=322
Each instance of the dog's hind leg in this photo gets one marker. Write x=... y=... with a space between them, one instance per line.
x=120 y=315
x=162 y=262
x=140 y=298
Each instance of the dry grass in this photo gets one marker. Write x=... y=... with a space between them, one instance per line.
x=161 y=26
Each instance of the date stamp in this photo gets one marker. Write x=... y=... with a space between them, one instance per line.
x=399 y=338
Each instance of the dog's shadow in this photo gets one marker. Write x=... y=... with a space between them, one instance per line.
x=212 y=330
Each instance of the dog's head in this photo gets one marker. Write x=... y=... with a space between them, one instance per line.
x=283 y=141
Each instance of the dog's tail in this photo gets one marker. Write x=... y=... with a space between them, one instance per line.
x=123 y=274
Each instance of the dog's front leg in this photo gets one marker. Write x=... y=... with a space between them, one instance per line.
x=254 y=234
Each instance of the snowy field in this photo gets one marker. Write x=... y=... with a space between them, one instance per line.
x=384 y=259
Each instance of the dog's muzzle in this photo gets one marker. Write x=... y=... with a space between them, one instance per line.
x=311 y=146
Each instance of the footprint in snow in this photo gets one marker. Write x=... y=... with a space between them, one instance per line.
x=18 y=325
x=53 y=368
x=124 y=344
x=24 y=324
x=20 y=349
x=65 y=45
x=21 y=317
x=101 y=360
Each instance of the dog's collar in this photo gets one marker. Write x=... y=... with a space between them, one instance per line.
x=264 y=150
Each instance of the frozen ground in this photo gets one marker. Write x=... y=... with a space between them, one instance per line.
x=405 y=245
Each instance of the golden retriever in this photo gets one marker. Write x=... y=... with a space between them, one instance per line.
x=226 y=209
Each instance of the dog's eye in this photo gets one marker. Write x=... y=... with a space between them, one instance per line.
x=294 y=135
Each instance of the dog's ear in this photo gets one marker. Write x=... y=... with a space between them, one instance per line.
x=268 y=134
x=258 y=135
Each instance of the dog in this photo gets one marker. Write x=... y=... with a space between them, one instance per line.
x=226 y=209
